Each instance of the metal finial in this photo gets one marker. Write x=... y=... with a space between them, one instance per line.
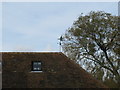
x=60 y=43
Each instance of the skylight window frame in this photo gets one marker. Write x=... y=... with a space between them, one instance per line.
x=32 y=67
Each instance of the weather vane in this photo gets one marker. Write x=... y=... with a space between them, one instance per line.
x=60 y=43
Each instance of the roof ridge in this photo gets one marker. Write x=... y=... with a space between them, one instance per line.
x=30 y=52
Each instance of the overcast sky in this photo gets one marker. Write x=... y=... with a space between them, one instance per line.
x=36 y=26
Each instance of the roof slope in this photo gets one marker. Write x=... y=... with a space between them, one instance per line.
x=58 y=71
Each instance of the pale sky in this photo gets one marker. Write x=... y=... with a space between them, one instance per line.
x=36 y=26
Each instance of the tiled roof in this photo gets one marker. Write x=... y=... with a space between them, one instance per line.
x=58 y=71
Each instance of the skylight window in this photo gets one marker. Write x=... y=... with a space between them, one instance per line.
x=36 y=66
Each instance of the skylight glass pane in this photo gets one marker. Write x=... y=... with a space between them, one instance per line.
x=36 y=66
